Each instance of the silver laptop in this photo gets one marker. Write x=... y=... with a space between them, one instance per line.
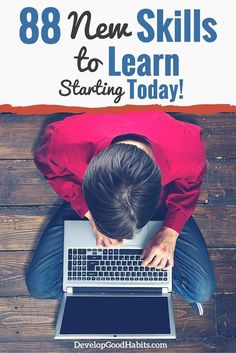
x=108 y=294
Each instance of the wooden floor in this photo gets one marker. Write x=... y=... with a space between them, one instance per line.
x=26 y=203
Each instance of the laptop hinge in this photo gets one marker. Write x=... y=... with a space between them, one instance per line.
x=69 y=290
x=115 y=290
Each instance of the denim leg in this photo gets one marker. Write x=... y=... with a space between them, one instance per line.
x=45 y=273
x=193 y=274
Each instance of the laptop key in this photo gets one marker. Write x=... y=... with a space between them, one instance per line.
x=94 y=257
x=131 y=251
x=90 y=268
x=92 y=273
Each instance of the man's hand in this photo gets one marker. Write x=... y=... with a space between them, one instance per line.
x=159 y=251
x=102 y=240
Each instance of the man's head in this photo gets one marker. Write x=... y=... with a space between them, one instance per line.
x=122 y=187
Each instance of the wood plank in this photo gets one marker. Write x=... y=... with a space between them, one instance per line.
x=226 y=315
x=207 y=345
x=21 y=226
x=21 y=317
x=22 y=184
x=221 y=183
x=218 y=131
x=14 y=263
x=218 y=225
x=224 y=261
x=19 y=134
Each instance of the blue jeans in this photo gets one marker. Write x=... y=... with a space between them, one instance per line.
x=193 y=275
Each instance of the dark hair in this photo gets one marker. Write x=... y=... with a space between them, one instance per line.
x=121 y=186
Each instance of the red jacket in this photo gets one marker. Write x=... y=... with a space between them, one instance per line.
x=67 y=147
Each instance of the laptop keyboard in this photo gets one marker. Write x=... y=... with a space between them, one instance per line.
x=111 y=265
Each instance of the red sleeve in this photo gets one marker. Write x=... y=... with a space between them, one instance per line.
x=66 y=184
x=181 y=201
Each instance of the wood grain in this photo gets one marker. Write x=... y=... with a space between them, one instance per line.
x=226 y=315
x=221 y=184
x=224 y=261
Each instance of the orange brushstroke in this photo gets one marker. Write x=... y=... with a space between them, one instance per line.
x=51 y=109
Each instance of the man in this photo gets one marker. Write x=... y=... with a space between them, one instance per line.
x=118 y=170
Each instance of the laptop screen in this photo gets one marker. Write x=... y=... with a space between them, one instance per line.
x=116 y=315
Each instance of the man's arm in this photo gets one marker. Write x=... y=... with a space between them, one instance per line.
x=181 y=202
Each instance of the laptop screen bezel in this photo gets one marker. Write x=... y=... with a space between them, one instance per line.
x=170 y=335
